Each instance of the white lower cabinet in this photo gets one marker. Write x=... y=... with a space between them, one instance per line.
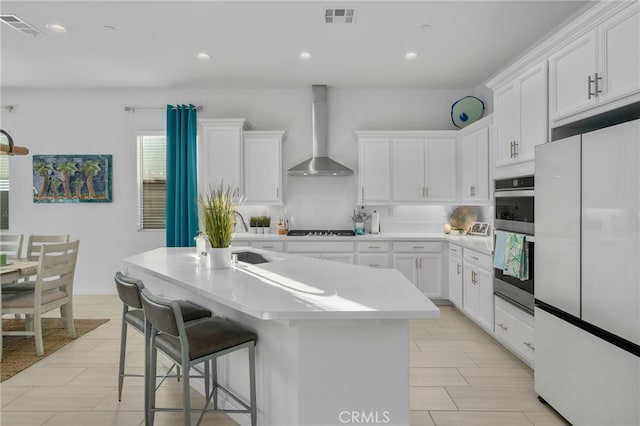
x=375 y=260
x=471 y=284
x=514 y=328
x=337 y=251
x=269 y=245
x=422 y=263
x=375 y=254
x=455 y=275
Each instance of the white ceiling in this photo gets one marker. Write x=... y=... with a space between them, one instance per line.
x=256 y=44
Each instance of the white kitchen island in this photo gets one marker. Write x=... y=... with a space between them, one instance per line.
x=333 y=338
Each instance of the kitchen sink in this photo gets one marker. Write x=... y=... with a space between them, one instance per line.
x=254 y=258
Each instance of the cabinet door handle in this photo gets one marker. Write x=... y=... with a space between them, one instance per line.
x=511 y=149
x=529 y=345
x=596 y=80
x=502 y=326
x=458 y=268
x=420 y=263
x=515 y=149
x=416 y=259
x=277 y=192
x=426 y=191
x=589 y=92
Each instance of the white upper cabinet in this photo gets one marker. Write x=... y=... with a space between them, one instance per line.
x=374 y=170
x=220 y=152
x=248 y=160
x=424 y=169
x=440 y=169
x=521 y=116
x=263 y=167
x=475 y=166
x=600 y=67
x=406 y=166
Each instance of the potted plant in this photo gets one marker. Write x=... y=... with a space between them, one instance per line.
x=266 y=224
x=254 y=223
x=217 y=210
x=358 y=219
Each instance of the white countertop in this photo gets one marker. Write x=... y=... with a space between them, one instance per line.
x=294 y=288
x=475 y=242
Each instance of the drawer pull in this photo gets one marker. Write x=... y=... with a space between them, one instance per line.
x=374 y=265
x=418 y=247
x=475 y=257
x=372 y=247
x=529 y=345
x=267 y=247
x=502 y=326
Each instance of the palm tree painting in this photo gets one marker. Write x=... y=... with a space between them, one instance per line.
x=72 y=178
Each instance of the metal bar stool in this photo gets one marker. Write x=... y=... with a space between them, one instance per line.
x=133 y=315
x=191 y=344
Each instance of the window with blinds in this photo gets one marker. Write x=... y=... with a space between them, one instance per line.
x=152 y=181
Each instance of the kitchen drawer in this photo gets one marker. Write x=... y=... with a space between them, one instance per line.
x=482 y=260
x=269 y=245
x=455 y=250
x=515 y=328
x=320 y=247
x=373 y=247
x=418 y=246
x=375 y=260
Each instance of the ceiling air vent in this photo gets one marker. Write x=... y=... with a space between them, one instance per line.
x=339 y=16
x=19 y=25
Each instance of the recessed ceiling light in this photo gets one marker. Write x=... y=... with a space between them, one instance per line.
x=203 y=55
x=305 y=55
x=57 y=28
x=411 y=56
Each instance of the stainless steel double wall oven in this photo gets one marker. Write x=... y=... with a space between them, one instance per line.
x=514 y=201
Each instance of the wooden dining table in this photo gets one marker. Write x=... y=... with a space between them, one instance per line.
x=12 y=271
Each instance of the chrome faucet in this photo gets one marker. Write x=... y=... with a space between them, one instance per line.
x=244 y=224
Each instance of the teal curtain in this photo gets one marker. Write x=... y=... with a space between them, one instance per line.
x=182 y=183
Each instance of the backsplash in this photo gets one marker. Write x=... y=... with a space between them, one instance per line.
x=327 y=213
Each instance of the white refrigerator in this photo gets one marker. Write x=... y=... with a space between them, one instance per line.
x=587 y=269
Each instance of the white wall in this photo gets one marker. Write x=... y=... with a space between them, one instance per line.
x=75 y=121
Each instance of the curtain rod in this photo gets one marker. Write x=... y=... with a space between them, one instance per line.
x=134 y=109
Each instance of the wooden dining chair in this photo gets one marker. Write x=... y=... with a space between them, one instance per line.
x=36 y=241
x=11 y=245
x=53 y=289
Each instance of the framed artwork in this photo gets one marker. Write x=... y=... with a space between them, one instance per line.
x=72 y=178
x=479 y=228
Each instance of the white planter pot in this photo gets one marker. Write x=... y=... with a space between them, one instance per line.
x=220 y=258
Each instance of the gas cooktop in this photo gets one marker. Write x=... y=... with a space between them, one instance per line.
x=321 y=233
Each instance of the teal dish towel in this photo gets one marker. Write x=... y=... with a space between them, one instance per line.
x=515 y=260
x=498 y=250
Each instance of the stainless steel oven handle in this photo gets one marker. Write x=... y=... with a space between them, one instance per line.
x=515 y=193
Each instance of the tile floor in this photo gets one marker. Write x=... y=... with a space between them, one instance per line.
x=459 y=376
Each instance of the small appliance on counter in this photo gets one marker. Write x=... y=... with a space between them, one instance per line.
x=375 y=222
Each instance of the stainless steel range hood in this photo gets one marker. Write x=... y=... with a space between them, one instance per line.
x=319 y=164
